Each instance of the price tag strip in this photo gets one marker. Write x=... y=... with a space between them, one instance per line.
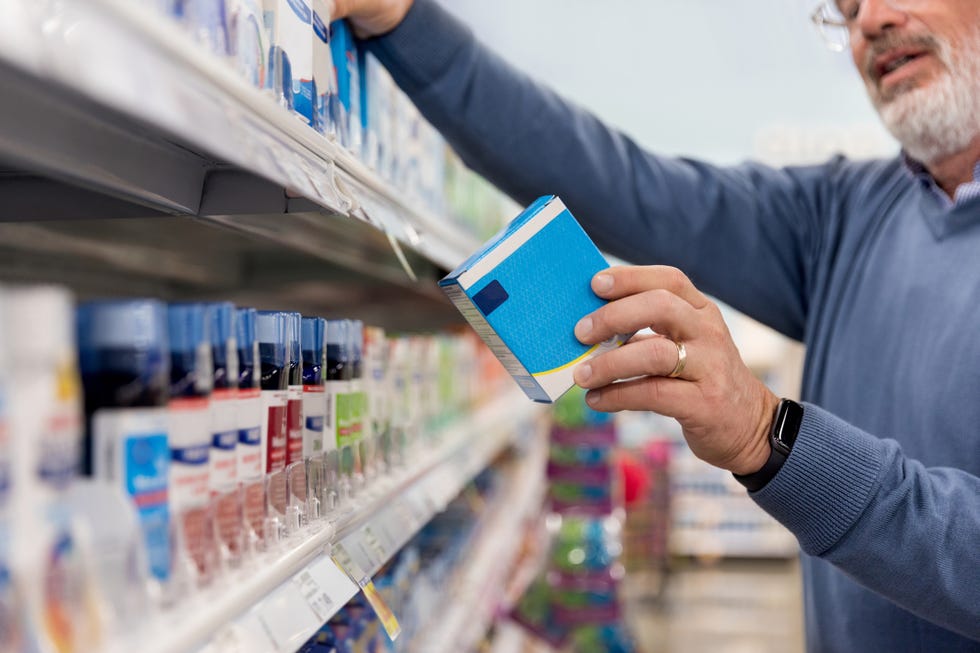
x=357 y=574
x=285 y=619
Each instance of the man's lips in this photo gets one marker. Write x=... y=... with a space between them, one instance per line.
x=892 y=60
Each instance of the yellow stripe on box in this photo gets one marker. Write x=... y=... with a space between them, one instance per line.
x=567 y=365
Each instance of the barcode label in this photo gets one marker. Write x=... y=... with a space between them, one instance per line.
x=314 y=595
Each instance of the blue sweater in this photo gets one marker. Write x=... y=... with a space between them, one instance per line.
x=856 y=259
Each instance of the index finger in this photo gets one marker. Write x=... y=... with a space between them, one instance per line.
x=618 y=282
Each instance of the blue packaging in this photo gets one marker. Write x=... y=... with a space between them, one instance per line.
x=344 y=50
x=125 y=364
x=224 y=405
x=524 y=291
x=324 y=76
x=314 y=399
x=368 y=141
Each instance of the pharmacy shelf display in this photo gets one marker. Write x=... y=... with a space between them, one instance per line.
x=282 y=597
x=482 y=577
x=112 y=111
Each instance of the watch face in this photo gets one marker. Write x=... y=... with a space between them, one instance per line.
x=789 y=417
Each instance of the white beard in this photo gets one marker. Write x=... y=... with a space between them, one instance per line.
x=943 y=117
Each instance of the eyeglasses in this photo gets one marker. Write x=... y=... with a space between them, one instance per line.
x=835 y=18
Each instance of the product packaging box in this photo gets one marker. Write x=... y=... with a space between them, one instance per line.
x=249 y=40
x=344 y=50
x=324 y=77
x=290 y=22
x=295 y=24
x=524 y=291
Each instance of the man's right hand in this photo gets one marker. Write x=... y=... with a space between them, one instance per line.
x=371 y=17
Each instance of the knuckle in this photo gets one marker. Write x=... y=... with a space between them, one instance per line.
x=674 y=279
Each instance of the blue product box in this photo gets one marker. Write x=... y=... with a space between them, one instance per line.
x=324 y=77
x=524 y=291
x=344 y=49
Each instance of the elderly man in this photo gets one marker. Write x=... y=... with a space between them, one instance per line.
x=874 y=265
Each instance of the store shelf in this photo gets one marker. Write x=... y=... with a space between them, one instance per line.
x=280 y=599
x=111 y=111
x=482 y=577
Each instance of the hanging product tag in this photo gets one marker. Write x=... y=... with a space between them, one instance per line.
x=352 y=569
x=401 y=256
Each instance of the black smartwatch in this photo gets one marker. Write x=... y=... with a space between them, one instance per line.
x=782 y=435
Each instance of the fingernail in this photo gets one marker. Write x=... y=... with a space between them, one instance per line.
x=583 y=373
x=592 y=398
x=583 y=327
x=602 y=282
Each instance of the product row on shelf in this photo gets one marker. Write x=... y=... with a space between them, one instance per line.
x=194 y=98
x=466 y=552
x=366 y=542
x=156 y=451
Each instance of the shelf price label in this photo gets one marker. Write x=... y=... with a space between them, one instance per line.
x=357 y=574
x=379 y=555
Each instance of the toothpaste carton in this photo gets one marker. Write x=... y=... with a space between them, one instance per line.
x=524 y=291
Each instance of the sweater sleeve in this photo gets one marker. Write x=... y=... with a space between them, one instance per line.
x=905 y=531
x=707 y=220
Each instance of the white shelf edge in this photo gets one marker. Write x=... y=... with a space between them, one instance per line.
x=233 y=601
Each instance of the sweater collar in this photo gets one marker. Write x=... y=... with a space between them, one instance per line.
x=963 y=193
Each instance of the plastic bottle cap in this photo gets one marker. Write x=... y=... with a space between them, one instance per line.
x=245 y=335
x=39 y=323
x=188 y=327
x=270 y=330
x=222 y=317
x=314 y=329
x=293 y=333
x=336 y=332
x=128 y=324
x=357 y=337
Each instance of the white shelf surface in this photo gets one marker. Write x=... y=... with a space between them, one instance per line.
x=481 y=579
x=281 y=598
x=193 y=112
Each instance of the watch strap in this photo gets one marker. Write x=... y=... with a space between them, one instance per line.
x=785 y=427
x=757 y=480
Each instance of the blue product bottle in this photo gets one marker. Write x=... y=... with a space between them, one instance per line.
x=125 y=366
x=270 y=331
x=314 y=408
x=251 y=463
x=314 y=360
x=224 y=422
x=225 y=493
x=294 y=389
x=191 y=385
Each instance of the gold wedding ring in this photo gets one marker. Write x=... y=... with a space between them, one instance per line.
x=681 y=361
